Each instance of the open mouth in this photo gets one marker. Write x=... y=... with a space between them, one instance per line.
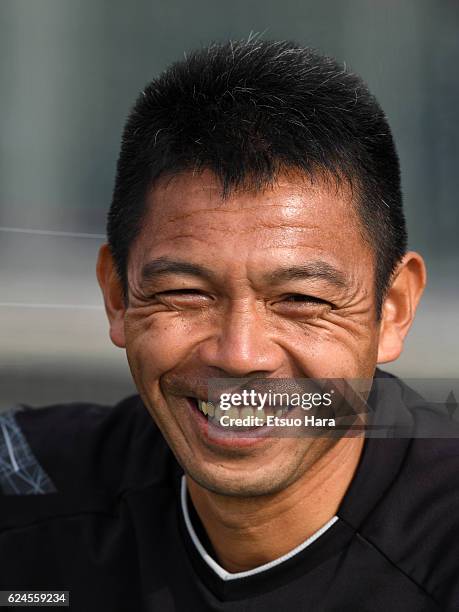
x=213 y=412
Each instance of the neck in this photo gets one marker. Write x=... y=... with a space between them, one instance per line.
x=252 y=531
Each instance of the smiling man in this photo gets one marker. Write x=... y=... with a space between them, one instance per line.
x=256 y=233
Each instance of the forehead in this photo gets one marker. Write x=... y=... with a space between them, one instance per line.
x=291 y=218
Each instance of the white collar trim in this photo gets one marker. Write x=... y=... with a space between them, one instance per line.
x=218 y=569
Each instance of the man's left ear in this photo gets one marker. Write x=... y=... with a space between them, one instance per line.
x=399 y=307
x=112 y=290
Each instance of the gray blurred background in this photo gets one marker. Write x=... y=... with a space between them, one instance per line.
x=69 y=72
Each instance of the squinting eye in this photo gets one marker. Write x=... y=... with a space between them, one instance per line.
x=306 y=299
x=181 y=299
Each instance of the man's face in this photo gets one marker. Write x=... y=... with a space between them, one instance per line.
x=276 y=283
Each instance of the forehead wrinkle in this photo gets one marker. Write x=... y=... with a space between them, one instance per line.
x=286 y=225
x=182 y=236
x=263 y=207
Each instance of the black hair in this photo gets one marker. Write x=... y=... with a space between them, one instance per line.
x=246 y=110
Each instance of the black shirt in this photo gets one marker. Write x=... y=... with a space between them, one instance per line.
x=91 y=504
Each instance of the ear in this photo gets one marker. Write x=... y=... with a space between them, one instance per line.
x=113 y=294
x=402 y=298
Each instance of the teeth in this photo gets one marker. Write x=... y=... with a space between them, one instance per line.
x=233 y=413
x=247 y=412
x=261 y=416
x=209 y=409
x=206 y=408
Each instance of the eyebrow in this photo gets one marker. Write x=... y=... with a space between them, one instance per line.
x=317 y=269
x=164 y=266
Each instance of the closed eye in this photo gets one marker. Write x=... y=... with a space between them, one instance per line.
x=305 y=299
x=183 y=299
x=173 y=292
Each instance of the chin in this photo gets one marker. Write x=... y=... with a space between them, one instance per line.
x=240 y=482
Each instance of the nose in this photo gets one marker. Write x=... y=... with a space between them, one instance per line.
x=242 y=346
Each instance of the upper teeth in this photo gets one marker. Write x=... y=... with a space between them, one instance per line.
x=208 y=408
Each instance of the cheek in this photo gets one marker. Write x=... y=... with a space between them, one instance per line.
x=157 y=343
x=325 y=351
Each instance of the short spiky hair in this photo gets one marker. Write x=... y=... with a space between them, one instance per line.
x=247 y=110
